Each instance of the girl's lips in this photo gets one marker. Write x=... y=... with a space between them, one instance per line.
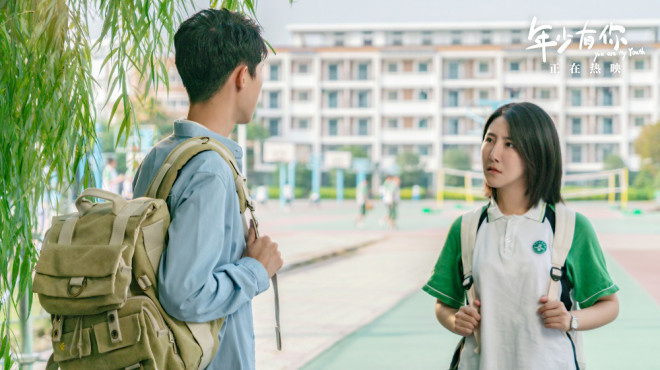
x=493 y=171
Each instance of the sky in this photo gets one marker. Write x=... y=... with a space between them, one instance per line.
x=275 y=15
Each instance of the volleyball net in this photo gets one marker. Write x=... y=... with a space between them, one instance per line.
x=597 y=185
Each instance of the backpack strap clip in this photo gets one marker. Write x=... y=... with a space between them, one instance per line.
x=556 y=273
x=467 y=282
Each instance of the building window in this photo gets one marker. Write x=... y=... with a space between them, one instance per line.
x=456 y=38
x=274 y=72
x=483 y=95
x=303 y=124
x=608 y=126
x=363 y=127
x=639 y=121
x=303 y=95
x=332 y=99
x=576 y=126
x=392 y=95
x=363 y=71
x=483 y=67
x=392 y=67
x=607 y=69
x=333 y=127
x=274 y=126
x=333 y=72
x=424 y=149
x=514 y=93
x=453 y=70
x=576 y=154
x=423 y=67
x=603 y=150
x=453 y=98
x=274 y=99
x=576 y=98
x=392 y=150
x=575 y=70
x=392 y=123
x=423 y=95
x=486 y=37
x=367 y=38
x=545 y=94
x=427 y=38
x=452 y=126
x=638 y=93
x=607 y=97
x=303 y=68
x=339 y=39
x=515 y=37
x=363 y=99
x=396 y=38
x=514 y=66
x=639 y=65
x=423 y=123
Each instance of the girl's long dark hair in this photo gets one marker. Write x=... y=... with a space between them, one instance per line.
x=535 y=137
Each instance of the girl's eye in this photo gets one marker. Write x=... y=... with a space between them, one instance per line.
x=488 y=140
x=509 y=144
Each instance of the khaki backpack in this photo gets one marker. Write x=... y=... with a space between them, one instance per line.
x=97 y=276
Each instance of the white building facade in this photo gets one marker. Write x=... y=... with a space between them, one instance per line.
x=427 y=87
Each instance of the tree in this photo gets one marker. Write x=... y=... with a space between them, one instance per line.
x=457 y=159
x=613 y=162
x=411 y=169
x=48 y=112
x=646 y=145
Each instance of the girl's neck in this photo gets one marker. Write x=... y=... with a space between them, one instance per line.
x=512 y=201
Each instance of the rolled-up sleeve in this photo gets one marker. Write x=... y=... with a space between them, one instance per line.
x=194 y=285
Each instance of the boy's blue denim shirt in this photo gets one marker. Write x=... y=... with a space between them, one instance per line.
x=202 y=274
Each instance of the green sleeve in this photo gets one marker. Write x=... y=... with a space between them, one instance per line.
x=586 y=267
x=445 y=283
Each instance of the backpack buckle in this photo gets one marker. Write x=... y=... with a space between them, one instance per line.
x=556 y=273
x=79 y=283
x=467 y=282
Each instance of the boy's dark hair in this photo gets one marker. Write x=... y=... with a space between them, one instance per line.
x=535 y=137
x=210 y=45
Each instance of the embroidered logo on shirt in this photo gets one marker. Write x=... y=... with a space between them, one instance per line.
x=539 y=247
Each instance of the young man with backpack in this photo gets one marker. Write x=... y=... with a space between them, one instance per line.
x=208 y=270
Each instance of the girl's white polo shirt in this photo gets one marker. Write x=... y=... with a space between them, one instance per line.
x=511 y=270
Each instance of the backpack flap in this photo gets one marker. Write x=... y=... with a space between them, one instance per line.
x=87 y=274
x=85 y=262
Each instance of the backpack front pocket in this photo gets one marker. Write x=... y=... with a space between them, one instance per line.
x=82 y=279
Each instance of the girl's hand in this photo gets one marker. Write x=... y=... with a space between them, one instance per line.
x=467 y=319
x=554 y=314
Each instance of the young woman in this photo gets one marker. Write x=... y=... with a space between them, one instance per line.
x=519 y=327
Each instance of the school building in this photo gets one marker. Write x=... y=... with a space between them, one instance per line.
x=427 y=88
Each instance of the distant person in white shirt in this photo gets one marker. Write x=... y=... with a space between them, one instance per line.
x=111 y=179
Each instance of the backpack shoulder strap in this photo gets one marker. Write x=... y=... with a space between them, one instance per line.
x=563 y=238
x=162 y=184
x=470 y=222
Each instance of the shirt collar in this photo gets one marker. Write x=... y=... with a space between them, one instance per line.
x=536 y=213
x=187 y=128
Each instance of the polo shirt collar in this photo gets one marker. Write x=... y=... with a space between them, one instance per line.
x=536 y=213
x=185 y=128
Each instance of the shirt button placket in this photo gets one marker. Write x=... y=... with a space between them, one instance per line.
x=507 y=238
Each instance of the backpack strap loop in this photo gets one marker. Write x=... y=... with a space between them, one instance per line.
x=561 y=245
x=469 y=226
x=66 y=234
